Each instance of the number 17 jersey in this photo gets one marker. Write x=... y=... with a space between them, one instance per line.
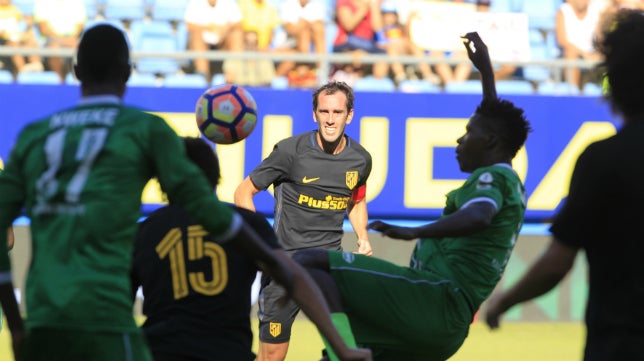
x=80 y=175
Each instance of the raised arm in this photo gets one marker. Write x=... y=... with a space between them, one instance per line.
x=478 y=54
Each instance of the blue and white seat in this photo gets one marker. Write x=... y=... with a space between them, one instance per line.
x=38 y=77
x=370 y=83
x=125 y=9
x=155 y=36
x=185 y=81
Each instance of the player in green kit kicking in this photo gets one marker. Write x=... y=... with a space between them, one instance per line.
x=422 y=312
x=79 y=175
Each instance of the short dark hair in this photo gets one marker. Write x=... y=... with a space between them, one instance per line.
x=204 y=156
x=507 y=121
x=103 y=55
x=332 y=87
x=623 y=48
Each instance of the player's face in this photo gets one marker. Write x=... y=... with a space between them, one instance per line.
x=332 y=116
x=473 y=145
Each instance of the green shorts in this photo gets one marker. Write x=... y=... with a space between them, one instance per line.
x=400 y=312
x=55 y=344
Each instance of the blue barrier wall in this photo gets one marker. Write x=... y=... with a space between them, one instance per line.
x=411 y=138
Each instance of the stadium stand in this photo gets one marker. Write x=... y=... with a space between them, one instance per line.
x=504 y=6
x=519 y=87
x=539 y=50
x=557 y=89
x=154 y=36
x=143 y=80
x=279 y=82
x=541 y=13
x=93 y=9
x=418 y=86
x=42 y=77
x=114 y=22
x=6 y=77
x=465 y=87
x=168 y=10
x=218 y=79
x=369 y=83
x=125 y=10
x=26 y=6
x=158 y=26
x=185 y=81
x=592 y=89
x=505 y=87
x=70 y=79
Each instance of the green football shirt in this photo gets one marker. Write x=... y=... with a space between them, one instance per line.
x=79 y=175
x=476 y=262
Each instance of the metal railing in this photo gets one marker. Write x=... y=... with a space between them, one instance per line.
x=324 y=61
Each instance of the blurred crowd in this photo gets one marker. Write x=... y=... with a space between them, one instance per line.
x=558 y=29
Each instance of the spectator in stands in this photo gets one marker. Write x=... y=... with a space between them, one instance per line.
x=303 y=22
x=358 y=21
x=251 y=72
x=446 y=72
x=607 y=16
x=626 y=4
x=60 y=23
x=262 y=17
x=213 y=25
x=395 y=40
x=504 y=71
x=347 y=73
x=303 y=76
x=575 y=27
x=16 y=32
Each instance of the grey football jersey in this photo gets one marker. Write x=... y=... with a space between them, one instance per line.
x=312 y=189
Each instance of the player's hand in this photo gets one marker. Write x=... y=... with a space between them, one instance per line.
x=493 y=310
x=392 y=231
x=356 y=354
x=364 y=247
x=477 y=51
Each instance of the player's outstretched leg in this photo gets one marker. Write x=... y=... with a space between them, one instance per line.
x=316 y=262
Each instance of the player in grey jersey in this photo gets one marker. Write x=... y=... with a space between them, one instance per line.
x=319 y=176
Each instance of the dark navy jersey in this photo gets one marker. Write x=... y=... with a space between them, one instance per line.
x=603 y=215
x=312 y=189
x=196 y=292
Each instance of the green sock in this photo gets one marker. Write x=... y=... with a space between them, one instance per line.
x=341 y=322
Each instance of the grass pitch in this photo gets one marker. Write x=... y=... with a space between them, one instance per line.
x=550 y=341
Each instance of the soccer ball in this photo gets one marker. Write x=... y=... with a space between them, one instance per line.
x=226 y=113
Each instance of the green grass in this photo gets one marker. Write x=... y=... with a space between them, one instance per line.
x=550 y=341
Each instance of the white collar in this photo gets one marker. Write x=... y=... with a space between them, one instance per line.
x=99 y=99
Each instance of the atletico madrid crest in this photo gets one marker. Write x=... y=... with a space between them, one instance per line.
x=275 y=328
x=352 y=178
